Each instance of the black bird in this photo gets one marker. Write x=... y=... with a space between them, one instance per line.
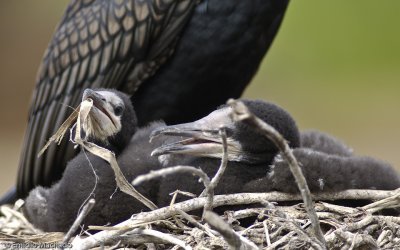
x=250 y=154
x=323 y=142
x=329 y=165
x=54 y=208
x=111 y=124
x=173 y=52
x=46 y=209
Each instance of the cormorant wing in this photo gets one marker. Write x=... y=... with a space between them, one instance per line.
x=98 y=44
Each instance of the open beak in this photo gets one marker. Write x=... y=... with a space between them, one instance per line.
x=202 y=138
x=98 y=103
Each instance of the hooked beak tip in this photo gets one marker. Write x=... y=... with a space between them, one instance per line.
x=87 y=94
x=154 y=134
x=156 y=152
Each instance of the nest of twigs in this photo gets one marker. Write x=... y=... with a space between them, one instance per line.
x=273 y=226
x=268 y=222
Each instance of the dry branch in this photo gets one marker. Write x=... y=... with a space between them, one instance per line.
x=241 y=113
x=196 y=223
x=181 y=169
x=81 y=216
x=219 y=200
x=165 y=237
x=234 y=240
x=355 y=223
x=224 y=162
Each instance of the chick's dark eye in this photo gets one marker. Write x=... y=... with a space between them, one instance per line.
x=118 y=110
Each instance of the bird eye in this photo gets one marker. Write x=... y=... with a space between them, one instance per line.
x=118 y=110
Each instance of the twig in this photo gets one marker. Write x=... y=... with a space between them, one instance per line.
x=116 y=228
x=224 y=162
x=390 y=202
x=116 y=245
x=248 y=212
x=383 y=237
x=175 y=194
x=81 y=216
x=219 y=200
x=165 y=237
x=354 y=194
x=327 y=207
x=387 y=219
x=280 y=241
x=285 y=238
x=181 y=169
x=292 y=226
x=357 y=240
x=349 y=227
x=241 y=113
x=190 y=219
x=234 y=240
x=245 y=231
x=359 y=224
x=267 y=238
x=20 y=216
x=136 y=237
x=59 y=135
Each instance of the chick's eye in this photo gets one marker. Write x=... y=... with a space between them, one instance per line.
x=118 y=110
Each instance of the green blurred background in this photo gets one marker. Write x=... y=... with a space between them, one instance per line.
x=335 y=66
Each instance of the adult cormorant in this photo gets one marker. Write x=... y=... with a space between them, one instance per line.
x=184 y=58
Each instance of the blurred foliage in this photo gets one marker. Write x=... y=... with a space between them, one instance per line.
x=335 y=66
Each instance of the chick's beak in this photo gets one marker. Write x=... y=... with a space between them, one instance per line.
x=98 y=102
x=202 y=138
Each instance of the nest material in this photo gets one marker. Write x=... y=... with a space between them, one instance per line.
x=272 y=227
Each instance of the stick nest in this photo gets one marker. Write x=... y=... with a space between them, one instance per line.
x=273 y=226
